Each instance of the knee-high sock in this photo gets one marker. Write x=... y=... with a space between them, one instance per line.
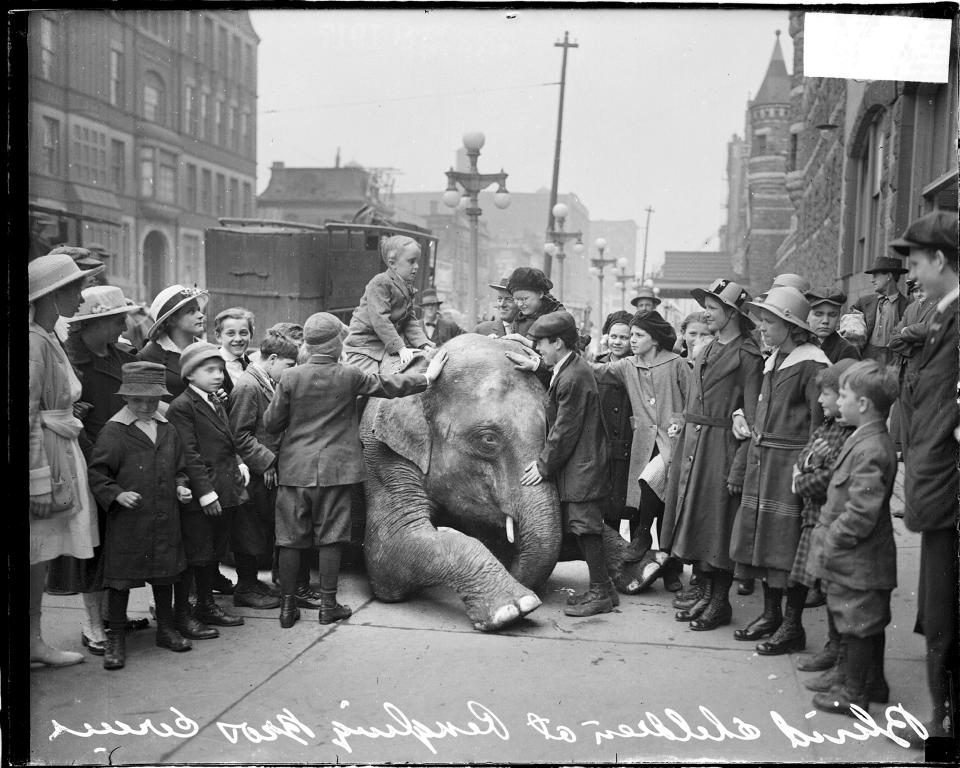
x=329 y=566
x=289 y=567
x=203 y=577
x=796 y=597
x=181 y=593
x=117 y=600
x=163 y=600
x=246 y=568
x=303 y=575
x=592 y=547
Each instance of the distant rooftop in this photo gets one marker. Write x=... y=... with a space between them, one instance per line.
x=776 y=84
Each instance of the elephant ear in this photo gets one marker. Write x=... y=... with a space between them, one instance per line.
x=401 y=425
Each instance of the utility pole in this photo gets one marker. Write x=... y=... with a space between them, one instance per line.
x=646 y=235
x=547 y=259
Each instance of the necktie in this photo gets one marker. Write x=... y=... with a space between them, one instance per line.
x=216 y=405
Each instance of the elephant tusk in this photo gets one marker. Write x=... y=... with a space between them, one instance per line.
x=510 y=529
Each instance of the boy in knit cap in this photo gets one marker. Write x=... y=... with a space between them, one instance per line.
x=320 y=456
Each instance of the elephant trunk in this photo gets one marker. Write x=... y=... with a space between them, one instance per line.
x=538 y=533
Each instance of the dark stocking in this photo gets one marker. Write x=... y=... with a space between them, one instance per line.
x=591 y=544
x=289 y=567
x=246 y=568
x=181 y=592
x=203 y=577
x=796 y=597
x=117 y=600
x=329 y=566
x=163 y=600
x=303 y=576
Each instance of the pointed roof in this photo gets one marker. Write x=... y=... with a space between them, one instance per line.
x=776 y=83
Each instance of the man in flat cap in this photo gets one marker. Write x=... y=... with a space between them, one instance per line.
x=882 y=309
x=931 y=482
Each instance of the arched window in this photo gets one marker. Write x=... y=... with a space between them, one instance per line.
x=871 y=160
x=154 y=98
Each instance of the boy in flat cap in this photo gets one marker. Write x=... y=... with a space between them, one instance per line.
x=931 y=483
x=825 y=304
x=575 y=453
x=320 y=456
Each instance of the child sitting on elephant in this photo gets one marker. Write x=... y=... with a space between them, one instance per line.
x=384 y=323
x=320 y=457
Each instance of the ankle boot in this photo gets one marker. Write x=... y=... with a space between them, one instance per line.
x=718 y=612
x=188 y=626
x=210 y=613
x=851 y=691
x=115 y=657
x=790 y=636
x=694 y=611
x=331 y=610
x=826 y=658
x=875 y=683
x=169 y=638
x=289 y=611
x=670 y=574
x=767 y=623
x=690 y=595
x=595 y=600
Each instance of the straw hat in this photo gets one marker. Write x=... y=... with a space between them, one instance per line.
x=785 y=302
x=102 y=301
x=728 y=292
x=53 y=271
x=144 y=380
x=169 y=300
x=645 y=293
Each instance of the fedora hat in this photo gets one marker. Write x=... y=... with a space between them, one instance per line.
x=429 y=296
x=169 y=300
x=102 y=301
x=825 y=295
x=936 y=230
x=501 y=286
x=645 y=293
x=143 y=379
x=728 y=292
x=886 y=264
x=785 y=302
x=195 y=354
x=53 y=271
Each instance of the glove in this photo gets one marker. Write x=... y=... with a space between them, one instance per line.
x=436 y=365
x=245 y=474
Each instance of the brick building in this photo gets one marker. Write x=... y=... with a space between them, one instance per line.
x=142 y=132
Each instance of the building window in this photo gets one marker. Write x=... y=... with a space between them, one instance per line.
x=235 y=63
x=869 y=224
x=116 y=78
x=205 y=185
x=234 y=209
x=51 y=146
x=247 y=200
x=244 y=146
x=190 y=33
x=248 y=66
x=222 y=62
x=88 y=156
x=234 y=129
x=167 y=178
x=190 y=258
x=118 y=165
x=48 y=48
x=191 y=187
x=124 y=269
x=189 y=111
x=220 y=120
x=156 y=23
x=146 y=171
x=208 y=41
x=154 y=106
x=205 y=116
x=220 y=200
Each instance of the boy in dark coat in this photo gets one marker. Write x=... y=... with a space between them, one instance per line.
x=217 y=477
x=320 y=457
x=138 y=474
x=575 y=453
x=852 y=549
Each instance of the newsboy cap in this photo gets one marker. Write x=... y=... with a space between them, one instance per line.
x=825 y=295
x=552 y=325
x=937 y=230
x=195 y=354
x=320 y=328
x=143 y=379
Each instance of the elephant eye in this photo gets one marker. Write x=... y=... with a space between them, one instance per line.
x=488 y=440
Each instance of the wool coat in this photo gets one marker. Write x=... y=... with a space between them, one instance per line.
x=145 y=542
x=248 y=402
x=852 y=542
x=835 y=347
x=100 y=378
x=615 y=412
x=657 y=390
x=911 y=333
x=314 y=408
x=575 y=452
x=766 y=530
x=444 y=330
x=154 y=352
x=213 y=463
x=384 y=322
x=931 y=483
x=699 y=511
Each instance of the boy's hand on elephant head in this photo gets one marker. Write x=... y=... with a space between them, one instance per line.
x=436 y=365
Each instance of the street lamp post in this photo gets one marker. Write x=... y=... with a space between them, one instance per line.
x=625 y=280
x=471 y=183
x=597 y=266
x=555 y=240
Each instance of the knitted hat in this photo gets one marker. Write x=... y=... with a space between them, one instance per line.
x=620 y=316
x=528 y=279
x=786 y=303
x=645 y=293
x=53 y=271
x=195 y=354
x=169 y=300
x=143 y=380
x=102 y=301
x=659 y=329
x=937 y=230
x=552 y=325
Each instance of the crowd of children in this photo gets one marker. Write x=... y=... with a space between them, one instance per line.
x=760 y=451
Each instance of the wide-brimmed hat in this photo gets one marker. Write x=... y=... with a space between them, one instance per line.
x=785 y=302
x=502 y=285
x=144 y=380
x=529 y=279
x=645 y=293
x=886 y=264
x=102 y=301
x=728 y=292
x=192 y=357
x=937 y=230
x=53 y=271
x=169 y=300
x=790 y=280
x=429 y=296
x=825 y=295
x=85 y=258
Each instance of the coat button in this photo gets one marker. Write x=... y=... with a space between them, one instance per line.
x=653 y=401
x=697 y=428
x=616 y=410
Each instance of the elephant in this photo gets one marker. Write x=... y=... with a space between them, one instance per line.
x=444 y=504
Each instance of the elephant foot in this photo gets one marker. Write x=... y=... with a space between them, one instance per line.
x=506 y=614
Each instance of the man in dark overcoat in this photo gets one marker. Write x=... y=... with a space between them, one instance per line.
x=439 y=329
x=507 y=311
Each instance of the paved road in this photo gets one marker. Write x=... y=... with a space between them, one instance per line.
x=373 y=689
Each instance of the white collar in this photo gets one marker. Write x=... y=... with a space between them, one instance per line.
x=228 y=356
x=559 y=365
x=126 y=416
x=801 y=354
x=948 y=299
x=204 y=395
x=165 y=342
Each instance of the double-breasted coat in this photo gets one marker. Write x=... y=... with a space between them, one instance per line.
x=615 y=412
x=384 y=322
x=575 y=453
x=852 y=542
x=766 y=530
x=657 y=390
x=699 y=512
x=144 y=543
